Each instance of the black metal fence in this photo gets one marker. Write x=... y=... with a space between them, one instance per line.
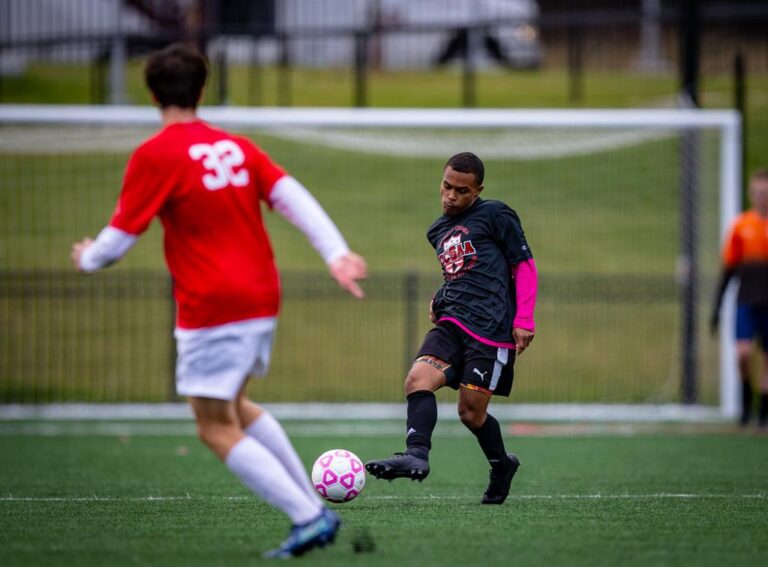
x=108 y=338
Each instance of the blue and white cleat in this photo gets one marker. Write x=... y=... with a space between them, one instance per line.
x=317 y=533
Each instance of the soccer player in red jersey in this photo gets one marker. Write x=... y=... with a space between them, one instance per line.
x=745 y=254
x=206 y=186
x=483 y=316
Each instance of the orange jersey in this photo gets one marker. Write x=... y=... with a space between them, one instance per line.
x=746 y=251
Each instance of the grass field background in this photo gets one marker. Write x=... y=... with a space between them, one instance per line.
x=603 y=227
x=105 y=493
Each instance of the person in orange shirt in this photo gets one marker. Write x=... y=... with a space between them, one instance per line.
x=745 y=254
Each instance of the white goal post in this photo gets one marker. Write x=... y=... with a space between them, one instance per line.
x=726 y=122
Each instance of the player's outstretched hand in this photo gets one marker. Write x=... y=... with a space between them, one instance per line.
x=77 y=250
x=523 y=338
x=347 y=270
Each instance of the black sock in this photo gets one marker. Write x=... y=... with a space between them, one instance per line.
x=762 y=417
x=422 y=417
x=491 y=442
x=746 y=402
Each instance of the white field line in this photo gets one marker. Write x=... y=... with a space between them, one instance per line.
x=370 y=412
x=598 y=496
x=176 y=429
x=362 y=429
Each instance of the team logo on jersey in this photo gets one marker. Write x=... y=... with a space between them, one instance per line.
x=457 y=253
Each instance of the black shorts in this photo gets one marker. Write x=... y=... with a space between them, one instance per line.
x=475 y=365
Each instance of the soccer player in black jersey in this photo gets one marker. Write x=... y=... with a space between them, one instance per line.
x=483 y=316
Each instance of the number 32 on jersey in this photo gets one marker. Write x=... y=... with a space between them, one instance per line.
x=223 y=162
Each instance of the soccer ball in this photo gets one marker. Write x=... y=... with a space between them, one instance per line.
x=338 y=475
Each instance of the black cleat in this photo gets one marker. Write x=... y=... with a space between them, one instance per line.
x=498 y=488
x=401 y=465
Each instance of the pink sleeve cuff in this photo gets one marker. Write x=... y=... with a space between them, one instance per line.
x=526 y=288
x=526 y=323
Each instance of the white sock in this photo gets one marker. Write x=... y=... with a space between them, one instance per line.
x=260 y=471
x=268 y=431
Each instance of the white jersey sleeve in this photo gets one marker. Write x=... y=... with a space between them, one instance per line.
x=111 y=245
x=292 y=200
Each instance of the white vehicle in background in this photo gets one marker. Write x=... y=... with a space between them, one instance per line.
x=417 y=33
x=504 y=32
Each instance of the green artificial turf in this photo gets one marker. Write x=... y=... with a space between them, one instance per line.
x=162 y=499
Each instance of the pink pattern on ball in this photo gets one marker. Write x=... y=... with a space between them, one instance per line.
x=347 y=480
x=338 y=475
x=329 y=477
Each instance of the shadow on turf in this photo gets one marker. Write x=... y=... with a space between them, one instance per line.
x=362 y=541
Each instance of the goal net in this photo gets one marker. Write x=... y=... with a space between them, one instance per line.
x=624 y=211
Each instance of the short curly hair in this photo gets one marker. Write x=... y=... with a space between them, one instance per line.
x=467 y=162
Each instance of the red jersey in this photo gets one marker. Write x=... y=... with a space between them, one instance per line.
x=206 y=185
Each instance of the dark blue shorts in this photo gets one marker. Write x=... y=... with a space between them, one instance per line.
x=751 y=321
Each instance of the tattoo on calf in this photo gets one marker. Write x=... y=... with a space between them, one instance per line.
x=441 y=366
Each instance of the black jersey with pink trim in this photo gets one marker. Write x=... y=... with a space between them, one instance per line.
x=475 y=250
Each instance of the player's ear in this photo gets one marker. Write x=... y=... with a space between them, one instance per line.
x=480 y=189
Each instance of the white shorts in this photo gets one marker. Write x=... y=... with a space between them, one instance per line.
x=214 y=362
